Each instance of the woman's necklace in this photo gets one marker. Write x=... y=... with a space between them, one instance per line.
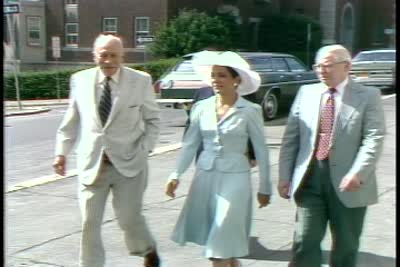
x=222 y=109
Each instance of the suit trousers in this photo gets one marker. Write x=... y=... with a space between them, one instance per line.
x=317 y=204
x=127 y=203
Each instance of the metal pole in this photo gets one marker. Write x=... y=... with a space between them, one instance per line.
x=10 y=22
x=308 y=43
x=58 y=81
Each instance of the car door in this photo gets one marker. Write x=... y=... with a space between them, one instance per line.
x=282 y=75
x=300 y=76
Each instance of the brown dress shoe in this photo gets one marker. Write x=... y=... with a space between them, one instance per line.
x=151 y=259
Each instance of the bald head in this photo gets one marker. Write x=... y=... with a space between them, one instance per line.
x=106 y=39
x=332 y=64
x=339 y=52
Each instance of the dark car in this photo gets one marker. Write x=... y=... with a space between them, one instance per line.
x=281 y=77
x=375 y=68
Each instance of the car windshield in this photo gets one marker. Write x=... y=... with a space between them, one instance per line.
x=184 y=66
x=378 y=56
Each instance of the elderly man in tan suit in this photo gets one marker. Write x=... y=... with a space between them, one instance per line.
x=113 y=118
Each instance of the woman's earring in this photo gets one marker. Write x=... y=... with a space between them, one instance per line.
x=235 y=85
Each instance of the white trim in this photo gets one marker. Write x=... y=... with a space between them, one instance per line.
x=30 y=24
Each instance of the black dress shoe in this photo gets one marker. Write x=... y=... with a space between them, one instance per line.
x=151 y=259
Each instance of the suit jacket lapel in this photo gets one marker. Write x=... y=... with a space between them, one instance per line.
x=124 y=86
x=350 y=101
x=237 y=106
x=315 y=111
x=90 y=82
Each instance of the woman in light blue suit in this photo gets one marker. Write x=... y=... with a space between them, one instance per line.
x=217 y=212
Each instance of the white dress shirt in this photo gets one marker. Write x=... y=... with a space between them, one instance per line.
x=101 y=81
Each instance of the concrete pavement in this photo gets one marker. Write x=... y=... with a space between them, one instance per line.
x=43 y=222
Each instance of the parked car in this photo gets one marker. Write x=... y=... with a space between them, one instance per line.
x=281 y=77
x=375 y=68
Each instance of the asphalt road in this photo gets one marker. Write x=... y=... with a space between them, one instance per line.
x=42 y=223
x=30 y=140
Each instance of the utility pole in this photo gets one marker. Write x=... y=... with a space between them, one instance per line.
x=10 y=10
x=308 y=43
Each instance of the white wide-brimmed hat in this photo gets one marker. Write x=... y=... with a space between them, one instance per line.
x=203 y=62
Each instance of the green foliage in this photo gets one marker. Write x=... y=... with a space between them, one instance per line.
x=191 y=31
x=43 y=85
x=155 y=68
x=288 y=34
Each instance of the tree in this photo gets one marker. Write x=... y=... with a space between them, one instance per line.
x=190 y=32
x=288 y=34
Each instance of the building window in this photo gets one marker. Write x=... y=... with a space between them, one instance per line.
x=71 y=2
x=71 y=13
x=33 y=29
x=71 y=35
x=142 y=26
x=110 y=25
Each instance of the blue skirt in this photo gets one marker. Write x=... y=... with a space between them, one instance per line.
x=217 y=214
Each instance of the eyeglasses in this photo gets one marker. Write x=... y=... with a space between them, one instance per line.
x=327 y=66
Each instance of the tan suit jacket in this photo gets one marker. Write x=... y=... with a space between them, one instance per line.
x=129 y=134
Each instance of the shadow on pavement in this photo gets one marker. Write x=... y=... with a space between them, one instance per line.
x=259 y=252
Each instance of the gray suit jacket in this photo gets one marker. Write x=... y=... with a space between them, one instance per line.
x=357 y=140
x=129 y=134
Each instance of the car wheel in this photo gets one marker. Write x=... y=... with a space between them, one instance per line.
x=270 y=106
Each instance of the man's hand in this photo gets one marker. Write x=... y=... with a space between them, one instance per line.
x=283 y=189
x=350 y=183
x=263 y=200
x=171 y=187
x=59 y=165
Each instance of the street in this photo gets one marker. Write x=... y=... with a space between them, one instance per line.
x=43 y=221
x=30 y=140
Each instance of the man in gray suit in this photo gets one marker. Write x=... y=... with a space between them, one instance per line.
x=113 y=117
x=327 y=162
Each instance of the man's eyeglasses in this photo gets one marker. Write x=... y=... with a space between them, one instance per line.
x=326 y=66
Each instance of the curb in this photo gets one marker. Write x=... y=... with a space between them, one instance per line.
x=54 y=177
x=26 y=112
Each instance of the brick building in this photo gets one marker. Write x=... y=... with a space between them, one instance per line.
x=358 y=24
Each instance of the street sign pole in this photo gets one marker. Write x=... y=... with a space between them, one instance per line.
x=308 y=43
x=55 y=45
x=10 y=24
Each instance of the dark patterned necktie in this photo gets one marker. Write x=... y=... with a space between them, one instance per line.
x=325 y=126
x=105 y=102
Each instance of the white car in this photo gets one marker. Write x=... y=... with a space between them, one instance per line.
x=375 y=68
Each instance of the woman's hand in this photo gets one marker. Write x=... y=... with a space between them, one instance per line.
x=171 y=187
x=263 y=200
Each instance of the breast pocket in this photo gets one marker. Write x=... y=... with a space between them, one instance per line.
x=131 y=116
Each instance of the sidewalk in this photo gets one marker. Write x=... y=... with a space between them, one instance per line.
x=11 y=108
x=43 y=222
x=29 y=107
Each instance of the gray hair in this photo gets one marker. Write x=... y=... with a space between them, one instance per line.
x=338 y=51
x=103 y=39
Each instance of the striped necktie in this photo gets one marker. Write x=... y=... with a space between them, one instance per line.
x=325 y=126
x=105 y=102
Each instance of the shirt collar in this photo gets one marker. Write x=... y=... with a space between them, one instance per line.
x=114 y=78
x=340 y=87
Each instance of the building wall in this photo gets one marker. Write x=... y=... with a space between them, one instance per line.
x=91 y=15
x=27 y=52
x=369 y=19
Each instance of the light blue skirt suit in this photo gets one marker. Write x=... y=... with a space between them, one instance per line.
x=218 y=209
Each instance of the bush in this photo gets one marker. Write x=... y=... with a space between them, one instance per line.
x=43 y=85
x=190 y=32
x=288 y=34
